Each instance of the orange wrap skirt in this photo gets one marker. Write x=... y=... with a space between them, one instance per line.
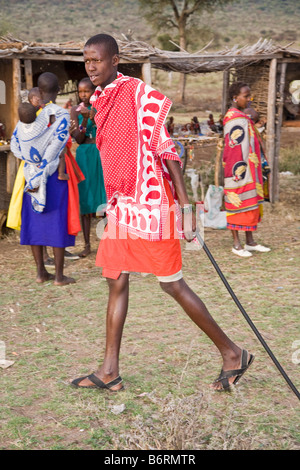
x=245 y=221
x=122 y=252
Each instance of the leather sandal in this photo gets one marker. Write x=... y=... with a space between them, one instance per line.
x=98 y=383
x=237 y=373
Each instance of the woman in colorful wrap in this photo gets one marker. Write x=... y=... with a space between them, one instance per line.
x=44 y=218
x=91 y=191
x=243 y=181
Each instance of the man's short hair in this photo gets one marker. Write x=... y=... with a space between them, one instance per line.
x=109 y=42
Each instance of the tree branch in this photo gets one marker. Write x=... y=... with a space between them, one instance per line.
x=170 y=21
x=175 y=9
x=197 y=6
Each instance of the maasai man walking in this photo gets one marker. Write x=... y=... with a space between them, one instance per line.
x=146 y=200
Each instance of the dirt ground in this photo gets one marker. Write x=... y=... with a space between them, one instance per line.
x=53 y=335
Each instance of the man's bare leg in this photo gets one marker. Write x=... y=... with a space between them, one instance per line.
x=42 y=273
x=197 y=311
x=115 y=319
x=60 y=279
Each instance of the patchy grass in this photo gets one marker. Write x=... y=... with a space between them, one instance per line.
x=56 y=334
x=290 y=159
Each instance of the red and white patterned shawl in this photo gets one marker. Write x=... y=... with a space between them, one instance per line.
x=133 y=144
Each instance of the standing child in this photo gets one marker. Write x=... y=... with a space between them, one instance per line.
x=91 y=191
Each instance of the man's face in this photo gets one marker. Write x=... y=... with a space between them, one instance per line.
x=100 y=66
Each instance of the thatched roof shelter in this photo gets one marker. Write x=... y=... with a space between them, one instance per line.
x=138 y=52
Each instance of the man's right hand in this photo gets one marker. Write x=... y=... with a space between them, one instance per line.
x=189 y=226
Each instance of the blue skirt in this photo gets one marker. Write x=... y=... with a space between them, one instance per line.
x=49 y=228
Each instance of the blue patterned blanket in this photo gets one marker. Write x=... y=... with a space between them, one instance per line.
x=40 y=145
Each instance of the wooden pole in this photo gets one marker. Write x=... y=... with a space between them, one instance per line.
x=218 y=165
x=11 y=171
x=11 y=164
x=270 y=135
x=278 y=131
x=16 y=85
x=225 y=91
x=146 y=73
x=28 y=74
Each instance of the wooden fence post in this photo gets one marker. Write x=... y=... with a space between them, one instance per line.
x=278 y=131
x=146 y=73
x=11 y=162
x=28 y=73
x=270 y=135
x=225 y=92
x=11 y=171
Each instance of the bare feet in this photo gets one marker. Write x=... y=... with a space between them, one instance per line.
x=86 y=251
x=64 y=281
x=44 y=277
x=63 y=176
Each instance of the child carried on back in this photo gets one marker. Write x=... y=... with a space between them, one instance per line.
x=28 y=113
x=44 y=134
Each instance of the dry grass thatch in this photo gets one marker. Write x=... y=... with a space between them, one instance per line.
x=138 y=51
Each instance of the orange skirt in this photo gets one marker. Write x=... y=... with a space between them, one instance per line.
x=161 y=258
x=245 y=221
x=121 y=252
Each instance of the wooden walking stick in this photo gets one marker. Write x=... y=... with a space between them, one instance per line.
x=246 y=316
x=218 y=160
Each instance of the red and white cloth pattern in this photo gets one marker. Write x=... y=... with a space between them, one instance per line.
x=134 y=144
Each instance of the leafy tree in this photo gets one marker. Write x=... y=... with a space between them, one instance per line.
x=180 y=16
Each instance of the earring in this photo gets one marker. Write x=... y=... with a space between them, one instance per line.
x=234 y=100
